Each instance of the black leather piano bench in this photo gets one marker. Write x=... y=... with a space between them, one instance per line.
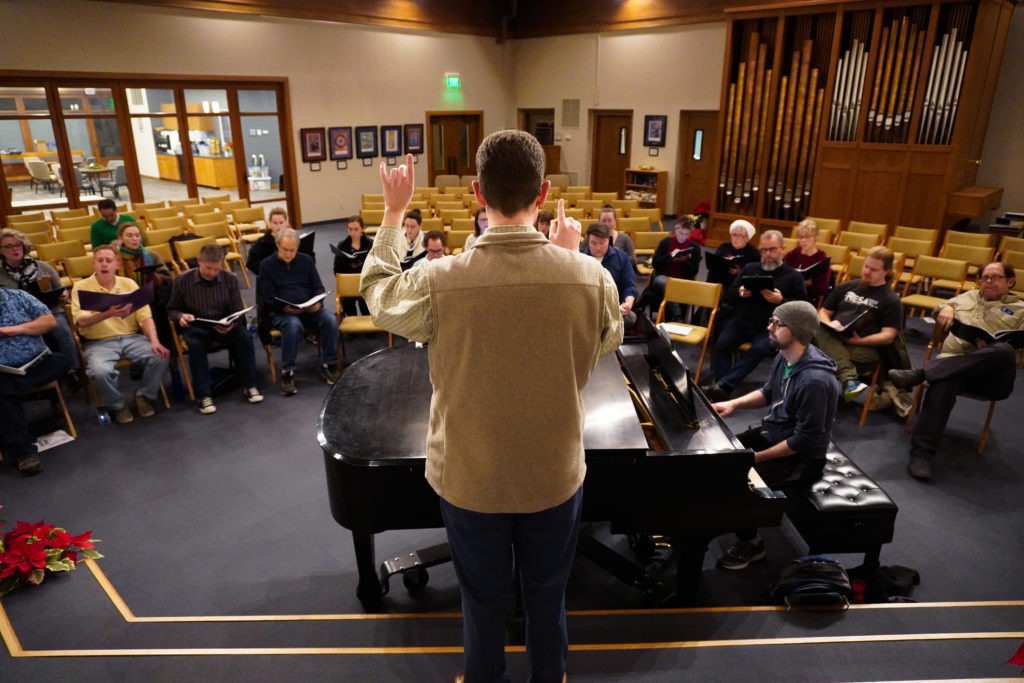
x=844 y=512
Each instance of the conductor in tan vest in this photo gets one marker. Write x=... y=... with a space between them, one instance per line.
x=515 y=326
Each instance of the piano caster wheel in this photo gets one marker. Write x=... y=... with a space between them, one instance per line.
x=415 y=580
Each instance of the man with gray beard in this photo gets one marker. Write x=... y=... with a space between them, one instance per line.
x=751 y=311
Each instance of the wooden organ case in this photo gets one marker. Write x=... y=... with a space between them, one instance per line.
x=867 y=111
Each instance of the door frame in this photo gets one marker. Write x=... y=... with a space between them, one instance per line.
x=595 y=114
x=478 y=113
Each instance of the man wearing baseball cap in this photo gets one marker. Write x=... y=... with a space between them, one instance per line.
x=802 y=393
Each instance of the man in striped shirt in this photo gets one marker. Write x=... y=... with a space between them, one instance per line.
x=209 y=293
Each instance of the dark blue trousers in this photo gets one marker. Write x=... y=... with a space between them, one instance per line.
x=484 y=546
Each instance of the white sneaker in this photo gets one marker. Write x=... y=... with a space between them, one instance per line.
x=253 y=395
x=206 y=406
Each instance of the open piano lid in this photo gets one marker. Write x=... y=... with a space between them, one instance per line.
x=669 y=371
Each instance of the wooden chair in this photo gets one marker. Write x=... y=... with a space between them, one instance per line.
x=624 y=204
x=652 y=215
x=591 y=207
x=37 y=238
x=55 y=253
x=31 y=228
x=373 y=198
x=692 y=293
x=94 y=210
x=246 y=223
x=572 y=197
x=977 y=257
x=76 y=222
x=974 y=239
x=421 y=205
x=448 y=215
x=929 y=234
x=432 y=224
x=839 y=257
x=192 y=210
x=645 y=243
x=928 y=272
x=151 y=238
x=858 y=241
x=164 y=212
x=163 y=250
x=457 y=240
x=186 y=250
x=1009 y=243
x=559 y=180
x=208 y=217
x=869 y=228
x=229 y=207
x=216 y=198
x=177 y=222
x=443 y=182
x=15 y=218
x=182 y=356
x=179 y=203
x=372 y=217
x=789 y=244
x=634 y=224
x=939 y=334
x=140 y=208
x=463 y=224
x=76 y=268
x=51 y=391
x=577 y=214
x=911 y=249
x=380 y=205
x=824 y=236
x=347 y=287
x=58 y=216
x=604 y=197
x=581 y=189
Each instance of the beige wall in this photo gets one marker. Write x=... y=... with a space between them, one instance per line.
x=656 y=72
x=353 y=75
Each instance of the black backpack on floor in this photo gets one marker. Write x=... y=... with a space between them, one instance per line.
x=813 y=581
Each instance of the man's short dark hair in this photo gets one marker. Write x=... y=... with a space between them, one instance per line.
x=510 y=170
x=106 y=204
x=211 y=253
x=435 y=235
x=545 y=216
x=415 y=215
x=1008 y=270
x=599 y=230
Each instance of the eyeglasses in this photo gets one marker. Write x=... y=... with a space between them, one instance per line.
x=992 y=278
x=16 y=245
x=775 y=322
x=768 y=250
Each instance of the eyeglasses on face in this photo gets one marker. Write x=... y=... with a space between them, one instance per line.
x=992 y=278
x=775 y=322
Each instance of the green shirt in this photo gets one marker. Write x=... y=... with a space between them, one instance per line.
x=104 y=233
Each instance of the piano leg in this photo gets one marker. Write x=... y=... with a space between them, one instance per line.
x=689 y=555
x=369 y=590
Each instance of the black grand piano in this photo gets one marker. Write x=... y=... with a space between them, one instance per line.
x=659 y=459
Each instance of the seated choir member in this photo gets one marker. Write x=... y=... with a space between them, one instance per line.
x=807 y=254
x=874 y=314
x=266 y=245
x=436 y=243
x=620 y=240
x=118 y=333
x=599 y=245
x=349 y=258
x=24 y=320
x=104 y=230
x=479 y=228
x=964 y=366
x=211 y=293
x=740 y=234
x=413 y=224
x=291 y=276
x=751 y=312
x=543 y=224
x=801 y=395
x=676 y=256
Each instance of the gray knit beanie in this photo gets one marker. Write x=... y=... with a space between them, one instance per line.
x=800 y=317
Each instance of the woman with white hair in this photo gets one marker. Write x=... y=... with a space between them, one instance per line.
x=736 y=252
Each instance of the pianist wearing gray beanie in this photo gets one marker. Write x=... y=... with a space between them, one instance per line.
x=800 y=317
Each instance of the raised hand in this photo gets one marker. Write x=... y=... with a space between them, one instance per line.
x=565 y=232
x=398 y=185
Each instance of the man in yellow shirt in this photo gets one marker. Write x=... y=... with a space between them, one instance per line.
x=117 y=333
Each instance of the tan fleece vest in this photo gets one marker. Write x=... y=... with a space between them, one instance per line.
x=518 y=325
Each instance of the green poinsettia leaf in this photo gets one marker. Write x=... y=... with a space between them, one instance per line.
x=36 y=576
x=53 y=554
x=91 y=554
x=64 y=565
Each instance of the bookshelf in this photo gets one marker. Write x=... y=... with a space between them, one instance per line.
x=650 y=187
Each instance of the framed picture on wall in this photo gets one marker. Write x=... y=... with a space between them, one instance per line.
x=654 y=130
x=314 y=147
x=341 y=142
x=391 y=140
x=366 y=142
x=414 y=138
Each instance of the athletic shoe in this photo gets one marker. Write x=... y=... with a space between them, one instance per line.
x=907 y=379
x=288 y=384
x=329 y=374
x=903 y=403
x=253 y=395
x=30 y=465
x=741 y=553
x=143 y=406
x=852 y=389
x=123 y=415
x=206 y=406
x=715 y=392
x=920 y=468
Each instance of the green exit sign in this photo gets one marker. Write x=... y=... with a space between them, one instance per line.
x=452 y=81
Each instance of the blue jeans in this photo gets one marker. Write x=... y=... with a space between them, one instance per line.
x=293 y=329
x=737 y=331
x=199 y=338
x=483 y=547
x=102 y=356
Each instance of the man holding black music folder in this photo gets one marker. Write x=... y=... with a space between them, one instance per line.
x=207 y=305
x=859 y=320
x=970 y=361
x=25 y=363
x=755 y=293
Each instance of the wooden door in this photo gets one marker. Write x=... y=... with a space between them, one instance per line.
x=698 y=140
x=611 y=145
x=452 y=143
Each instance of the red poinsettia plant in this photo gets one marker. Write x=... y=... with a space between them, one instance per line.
x=29 y=552
x=702 y=211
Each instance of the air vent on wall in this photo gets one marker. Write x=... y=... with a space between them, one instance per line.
x=570 y=113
